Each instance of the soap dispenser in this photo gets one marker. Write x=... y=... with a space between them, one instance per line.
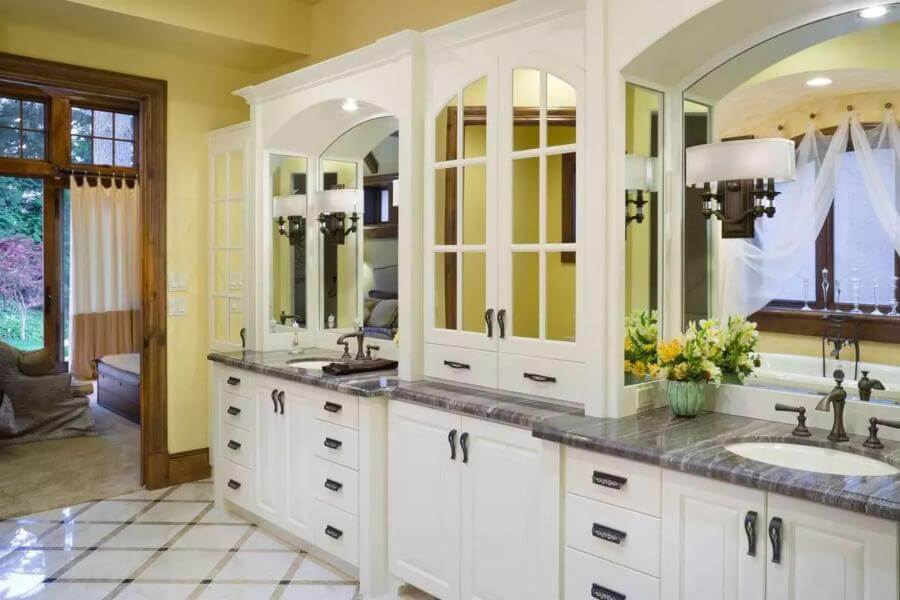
x=295 y=344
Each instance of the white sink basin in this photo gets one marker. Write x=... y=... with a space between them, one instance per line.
x=311 y=365
x=812 y=458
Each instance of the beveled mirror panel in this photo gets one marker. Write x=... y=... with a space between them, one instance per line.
x=561 y=112
x=288 y=184
x=526 y=108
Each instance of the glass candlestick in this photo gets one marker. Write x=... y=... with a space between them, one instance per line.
x=875 y=311
x=806 y=294
x=837 y=294
x=825 y=286
x=893 y=304
x=854 y=285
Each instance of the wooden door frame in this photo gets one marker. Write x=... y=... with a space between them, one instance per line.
x=151 y=97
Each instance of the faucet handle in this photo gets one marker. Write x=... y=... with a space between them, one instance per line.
x=874 y=422
x=369 y=348
x=800 y=430
x=838 y=376
x=346 y=353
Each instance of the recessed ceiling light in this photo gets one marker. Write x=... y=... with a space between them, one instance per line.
x=350 y=105
x=818 y=82
x=873 y=12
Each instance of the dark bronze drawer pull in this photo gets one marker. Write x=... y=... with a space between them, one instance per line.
x=456 y=365
x=608 y=534
x=539 y=378
x=607 y=480
x=601 y=593
x=775 y=536
x=464 y=444
x=234 y=445
x=333 y=532
x=333 y=407
x=333 y=443
x=234 y=411
x=489 y=321
x=451 y=437
x=233 y=381
x=334 y=486
x=234 y=484
x=750 y=529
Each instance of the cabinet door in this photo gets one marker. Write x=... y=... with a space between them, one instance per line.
x=423 y=498
x=503 y=528
x=460 y=217
x=271 y=457
x=538 y=210
x=298 y=420
x=707 y=552
x=830 y=554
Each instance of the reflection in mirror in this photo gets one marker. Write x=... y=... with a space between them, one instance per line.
x=818 y=275
x=560 y=112
x=289 y=205
x=526 y=108
x=358 y=229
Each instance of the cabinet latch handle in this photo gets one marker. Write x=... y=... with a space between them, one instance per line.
x=334 y=486
x=501 y=321
x=333 y=532
x=603 y=593
x=234 y=411
x=234 y=484
x=281 y=401
x=234 y=445
x=451 y=437
x=775 y=536
x=489 y=321
x=539 y=378
x=750 y=529
x=333 y=407
x=233 y=381
x=608 y=480
x=464 y=444
x=333 y=443
x=608 y=534
x=456 y=365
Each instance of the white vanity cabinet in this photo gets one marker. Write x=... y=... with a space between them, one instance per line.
x=308 y=462
x=473 y=507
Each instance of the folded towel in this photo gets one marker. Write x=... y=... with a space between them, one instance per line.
x=376 y=364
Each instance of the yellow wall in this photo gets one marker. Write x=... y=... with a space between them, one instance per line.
x=199 y=100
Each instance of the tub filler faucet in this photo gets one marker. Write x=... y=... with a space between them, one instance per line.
x=833 y=335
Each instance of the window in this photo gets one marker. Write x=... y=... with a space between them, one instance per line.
x=102 y=137
x=22 y=128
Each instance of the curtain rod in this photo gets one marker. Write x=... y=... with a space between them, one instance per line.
x=85 y=172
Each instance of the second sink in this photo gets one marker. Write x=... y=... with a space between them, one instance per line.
x=812 y=458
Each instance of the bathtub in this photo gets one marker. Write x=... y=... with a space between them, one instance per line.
x=804 y=373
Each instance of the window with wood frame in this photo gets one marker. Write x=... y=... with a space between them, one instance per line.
x=858 y=259
x=103 y=137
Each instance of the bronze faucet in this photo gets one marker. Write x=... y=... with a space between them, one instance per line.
x=837 y=396
x=360 y=336
x=866 y=386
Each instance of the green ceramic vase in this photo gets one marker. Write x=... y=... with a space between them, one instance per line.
x=685 y=397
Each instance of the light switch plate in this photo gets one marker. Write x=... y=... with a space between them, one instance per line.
x=177 y=282
x=177 y=306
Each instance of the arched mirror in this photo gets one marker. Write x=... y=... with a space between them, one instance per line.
x=357 y=217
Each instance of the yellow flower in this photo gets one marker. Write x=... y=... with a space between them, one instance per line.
x=628 y=366
x=669 y=351
x=653 y=369
x=628 y=344
x=639 y=369
x=679 y=373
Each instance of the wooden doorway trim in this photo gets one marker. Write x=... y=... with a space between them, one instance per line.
x=150 y=95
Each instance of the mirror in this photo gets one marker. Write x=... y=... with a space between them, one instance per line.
x=288 y=306
x=818 y=273
x=357 y=213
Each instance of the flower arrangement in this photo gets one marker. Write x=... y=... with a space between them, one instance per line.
x=739 y=356
x=694 y=355
x=641 y=334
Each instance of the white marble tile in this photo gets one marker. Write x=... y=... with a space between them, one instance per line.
x=112 y=510
x=314 y=570
x=14 y=533
x=260 y=540
x=256 y=566
x=76 y=535
x=16 y=585
x=192 y=491
x=204 y=537
x=142 y=495
x=319 y=592
x=108 y=564
x=220 y=516
x=238 y=591
x=173 y=512
x=56 y=514
x=44 y=562
x=156 y=591
x=68 y=591
x=183 y=565
x=143 y=535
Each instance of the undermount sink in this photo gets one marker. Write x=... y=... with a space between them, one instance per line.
x=311 y=364
x=812 y=458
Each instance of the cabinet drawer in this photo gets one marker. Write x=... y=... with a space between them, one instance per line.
x=622 y=536
x=235 y=381
x=559 y=379
x=590 y=577
x=237 y=411
x=473 y=367
x=236 y=483
x=335 y=443
x=337 y=485
x=337 y=408
x=618 y=481
x=337 y=532
x=237 y=446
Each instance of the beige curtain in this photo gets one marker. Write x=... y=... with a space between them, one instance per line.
x=105 y=274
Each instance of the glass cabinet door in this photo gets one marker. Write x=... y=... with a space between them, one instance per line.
x=537 y=217
x=461 y=223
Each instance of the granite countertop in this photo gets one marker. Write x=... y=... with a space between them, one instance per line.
x=698 y=446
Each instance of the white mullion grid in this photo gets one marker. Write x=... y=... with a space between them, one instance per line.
x=564 y=149
x=542 y=211
x=460 y=161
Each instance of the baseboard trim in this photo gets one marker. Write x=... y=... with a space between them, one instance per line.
x=189 y=466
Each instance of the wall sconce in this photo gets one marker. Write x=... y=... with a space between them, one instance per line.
x=640 y=178
x=764 y=161
x=290 y=212
x=335 y=207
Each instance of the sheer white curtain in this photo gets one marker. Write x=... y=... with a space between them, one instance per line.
x=751 y=273
x=105 y=274
x=873 y=152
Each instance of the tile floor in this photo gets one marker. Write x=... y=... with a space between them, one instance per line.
x=157 y=545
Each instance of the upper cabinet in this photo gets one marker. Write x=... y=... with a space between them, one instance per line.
x=501 y=269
